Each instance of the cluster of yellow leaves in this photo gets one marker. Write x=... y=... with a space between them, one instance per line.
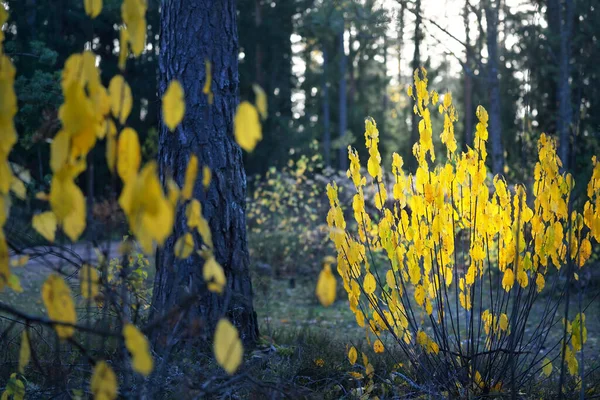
x=431 y=208
x=227 y=346
x=138 y=346
x=247 y=127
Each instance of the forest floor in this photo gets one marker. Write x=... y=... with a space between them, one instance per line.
x=303 y=345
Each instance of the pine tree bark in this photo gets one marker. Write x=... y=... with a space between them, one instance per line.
x=193 y=31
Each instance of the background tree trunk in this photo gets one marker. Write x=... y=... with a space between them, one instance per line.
x=416 y=63
x=492 y=8
x=326 y=115
x=468 y=88
x=194 y=31
x=564 y=20
x=343 y=159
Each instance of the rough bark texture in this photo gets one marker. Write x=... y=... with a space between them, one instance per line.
x=194 y=31
x=495 y=121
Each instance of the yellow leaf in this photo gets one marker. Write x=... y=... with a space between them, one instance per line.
x=149 y=213
x=133 y=13
x=92 y=7
x=228 y=346
x=173 y=192
x=247 y=127
x=352 y=355
x=104 y=382
x=88 y=279
x=18 y=188
x=193 y=213
x=585 y=251
x=59 y=304
x=74 y=223
x=173 y=105
x=206 y=177
x=59 y=150
x=191 y=173
x=378 y=346
x=369 y=283
x=508 y=280
x=184 y=246
x=123 y=47
x=45 y=225
x=138 y=346
x=260 y=100
x=214 y=276
x=503 y=321
x=120 y=98
x=208 y=82
x=24 y=352
x=326 y=286
x=547 y=367
x=128 y=154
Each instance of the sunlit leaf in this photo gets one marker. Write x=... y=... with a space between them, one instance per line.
x=104 y=382
x=173 y=105
x=59 y=305
x=138 y=346
x=326 y=286
x=128 y=154
x=92 y=7
x=24 y=352
x=45 y=224
x=191 y=173
x=228 y=346
x=120 y=98
x=260 y=100
x=247 y=127
x=184 y=246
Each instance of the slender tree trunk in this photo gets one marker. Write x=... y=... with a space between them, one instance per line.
x=385 y=99
x=468 y=89
x=326 y=115
x=259 y=55
x=416 y=63
x=193 y=31
x=401 y=40
x=565 y=107
x=495 y=122
x=343 y=114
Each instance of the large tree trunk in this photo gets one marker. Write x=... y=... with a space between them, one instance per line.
x=194 y=31
x=343 y=152
x=495 y=125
